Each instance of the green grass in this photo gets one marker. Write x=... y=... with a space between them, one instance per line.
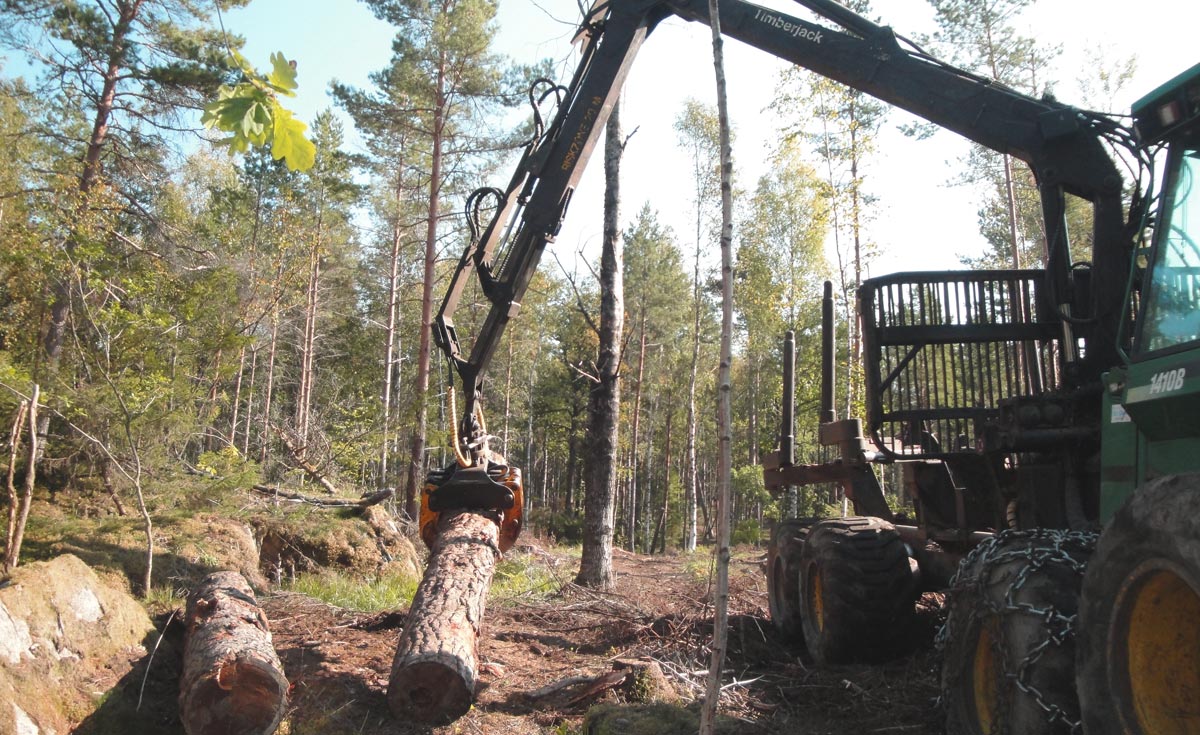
x=699 y=565
x=374 y=594
x=521 y=576
x=164 y=598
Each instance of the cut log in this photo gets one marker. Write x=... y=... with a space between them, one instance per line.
x=435 y=670
x=233 y=682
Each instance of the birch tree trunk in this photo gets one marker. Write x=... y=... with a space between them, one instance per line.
x=689 y=474
x=708 y=712
x=604 y=402
x=390 y=336
x=633 y=444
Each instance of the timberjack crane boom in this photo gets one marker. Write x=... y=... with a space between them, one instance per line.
x=1063 y=145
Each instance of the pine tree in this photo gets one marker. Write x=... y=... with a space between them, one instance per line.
x=119 y=73
x=604 y=400
x=438 y=89
x=981 y=35
x=698 y=132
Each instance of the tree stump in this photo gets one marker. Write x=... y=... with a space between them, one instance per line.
x=435 y=669
x=233 y=682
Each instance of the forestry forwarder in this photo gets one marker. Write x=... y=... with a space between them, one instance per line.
x=995 y=390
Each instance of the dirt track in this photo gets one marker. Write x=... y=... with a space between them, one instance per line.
x=338 y=661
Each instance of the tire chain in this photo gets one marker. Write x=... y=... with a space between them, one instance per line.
x=1055 y=547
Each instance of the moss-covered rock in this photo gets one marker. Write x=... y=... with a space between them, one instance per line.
x=648 y=683
x=365 y=545
x=65 y=636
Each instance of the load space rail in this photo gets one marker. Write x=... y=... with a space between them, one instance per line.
x=944 y=349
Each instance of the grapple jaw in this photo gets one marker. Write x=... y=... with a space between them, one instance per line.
x=471 y=488
x=487 y=486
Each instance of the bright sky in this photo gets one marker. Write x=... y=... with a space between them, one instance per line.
x=921 y=222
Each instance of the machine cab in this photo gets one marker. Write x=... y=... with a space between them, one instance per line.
x=1170 y=308
x=1152 y=405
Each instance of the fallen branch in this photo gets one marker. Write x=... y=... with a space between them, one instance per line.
x=555 y=687
x=297 y=454
x=641 y=680
x=365 y=502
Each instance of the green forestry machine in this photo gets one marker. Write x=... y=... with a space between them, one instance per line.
x=1024 y=407
x=1046 y=425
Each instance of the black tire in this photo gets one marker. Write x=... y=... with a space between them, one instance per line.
x=783 y=576
x=1008 y=643
x=857 y=590
x=1139 y=627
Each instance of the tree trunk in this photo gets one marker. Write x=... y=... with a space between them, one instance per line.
x=853 y=325
x=308 y=345
x=633 y=442
x=210 y=401
x=390 y=337
x=660 y=531
x=708 y=712
x=14 y=444
x=604 y=401
x=689 y=470
x=88 y=176
x=12 y=555
x=237 y=397
x=232 y=681
x=270 y=387
x=250 y=400
x=435 y=669
x=416 y=463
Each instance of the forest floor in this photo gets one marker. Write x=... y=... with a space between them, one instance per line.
x=338 y=661
x=539 y=630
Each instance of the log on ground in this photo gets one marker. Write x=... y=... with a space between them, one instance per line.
x=436 y=669
x=233 y=682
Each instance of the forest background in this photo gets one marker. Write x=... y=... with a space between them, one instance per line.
x=185 y=312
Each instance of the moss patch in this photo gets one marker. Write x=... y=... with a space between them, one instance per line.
x=649 y=719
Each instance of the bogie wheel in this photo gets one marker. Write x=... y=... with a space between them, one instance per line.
x=1008 y=643
x=857 y=590
x=783 y=575
x=1139 y=631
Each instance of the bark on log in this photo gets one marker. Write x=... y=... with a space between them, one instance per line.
x=233 y=682
x=435 y=670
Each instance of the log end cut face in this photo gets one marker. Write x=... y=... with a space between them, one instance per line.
x=242 y=698
x=430 y=692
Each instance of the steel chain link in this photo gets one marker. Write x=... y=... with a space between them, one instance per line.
x=1038 y=549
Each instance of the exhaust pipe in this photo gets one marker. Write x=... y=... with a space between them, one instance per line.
x=828 y=338
x=787 y=431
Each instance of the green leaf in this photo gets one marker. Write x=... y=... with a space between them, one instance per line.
x=250 y=112
x=289 y=142
x=283 y=75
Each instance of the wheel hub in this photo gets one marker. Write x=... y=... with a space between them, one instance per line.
x=1154 y=642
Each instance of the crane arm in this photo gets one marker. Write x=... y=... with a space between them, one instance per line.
x=1062 y=145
